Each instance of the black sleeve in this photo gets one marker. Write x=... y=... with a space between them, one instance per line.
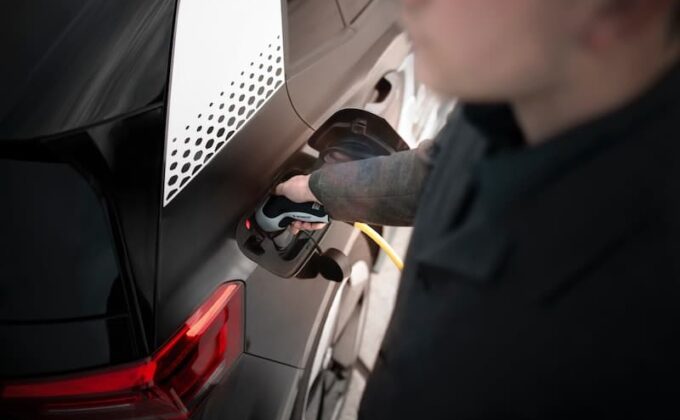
x=383 y=190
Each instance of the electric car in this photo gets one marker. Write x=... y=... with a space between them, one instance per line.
x=137 y=138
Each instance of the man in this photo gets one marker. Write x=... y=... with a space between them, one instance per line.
x=542 y=279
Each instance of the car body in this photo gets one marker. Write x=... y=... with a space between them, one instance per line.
x=135 y=137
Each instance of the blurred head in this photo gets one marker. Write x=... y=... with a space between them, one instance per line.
x=497 y=50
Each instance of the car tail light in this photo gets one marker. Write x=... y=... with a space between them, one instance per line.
x=167 y=385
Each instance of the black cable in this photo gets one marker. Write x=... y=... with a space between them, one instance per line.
x=316 y=244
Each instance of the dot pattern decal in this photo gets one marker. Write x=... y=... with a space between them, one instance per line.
x=220 y=120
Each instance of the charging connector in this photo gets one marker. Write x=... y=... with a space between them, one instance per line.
x=283 y=239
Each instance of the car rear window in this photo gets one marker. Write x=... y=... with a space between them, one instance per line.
x=57 y=256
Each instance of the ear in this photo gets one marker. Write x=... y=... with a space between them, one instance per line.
x=623 y=20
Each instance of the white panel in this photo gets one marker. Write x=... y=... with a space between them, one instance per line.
x=227 y=62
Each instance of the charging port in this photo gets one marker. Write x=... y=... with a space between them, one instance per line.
x=254 y=245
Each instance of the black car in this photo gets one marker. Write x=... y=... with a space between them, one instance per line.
x=137 y=138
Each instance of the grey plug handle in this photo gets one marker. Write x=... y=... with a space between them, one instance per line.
x=278 y=212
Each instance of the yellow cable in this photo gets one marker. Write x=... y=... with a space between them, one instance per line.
x=382 y=243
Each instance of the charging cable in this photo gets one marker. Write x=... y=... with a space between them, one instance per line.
x=381 y=242
x=375 y=237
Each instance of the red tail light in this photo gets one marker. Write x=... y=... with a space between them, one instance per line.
x=165 y=386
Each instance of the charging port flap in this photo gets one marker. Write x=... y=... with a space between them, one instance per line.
x=355 y=134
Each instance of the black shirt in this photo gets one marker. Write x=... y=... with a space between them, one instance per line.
x=542 y=282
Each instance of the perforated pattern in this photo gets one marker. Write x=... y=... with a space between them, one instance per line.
x=233 y=106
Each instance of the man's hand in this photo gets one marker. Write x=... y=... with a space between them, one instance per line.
x=297 y=189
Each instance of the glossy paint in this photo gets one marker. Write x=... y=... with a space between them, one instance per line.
x=73 y=63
